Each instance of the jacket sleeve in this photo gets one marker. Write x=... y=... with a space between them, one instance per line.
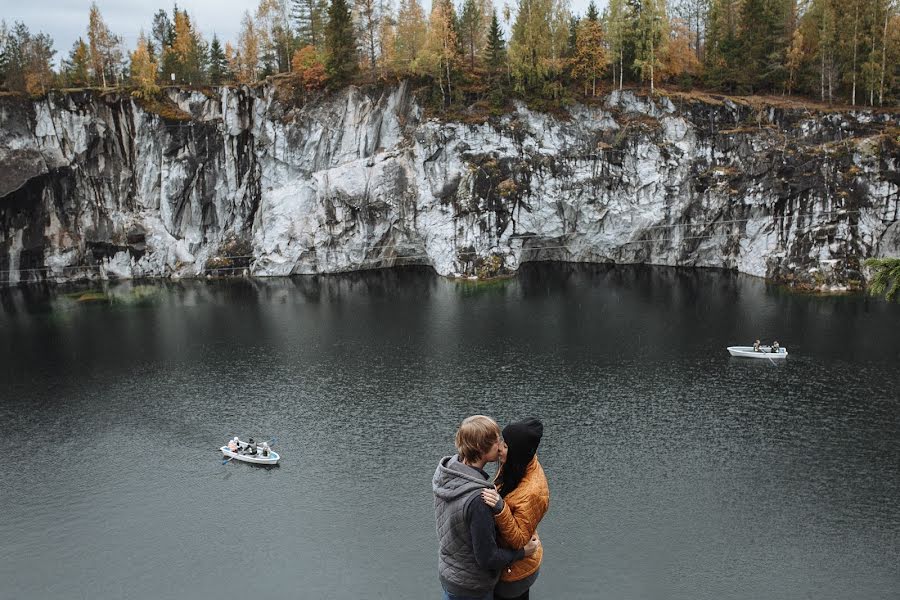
x=488 y=554
x=517 y=526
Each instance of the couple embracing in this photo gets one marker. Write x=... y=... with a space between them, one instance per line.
x=487 y=531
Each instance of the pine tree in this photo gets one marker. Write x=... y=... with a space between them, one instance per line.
x=369 y=16
x=77 y=68
x=471 y=32
x=496 y=47
x=592 y=14
x=723 y=49
x=340 y=44
x=218 y=67
x=309 y=17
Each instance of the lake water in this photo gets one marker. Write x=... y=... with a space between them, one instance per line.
x=676 y=471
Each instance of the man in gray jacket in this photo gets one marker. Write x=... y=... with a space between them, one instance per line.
x=469 y=559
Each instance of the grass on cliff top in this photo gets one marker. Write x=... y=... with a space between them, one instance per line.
x=161 y=105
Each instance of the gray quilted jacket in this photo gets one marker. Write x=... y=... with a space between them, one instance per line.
x=455 y=485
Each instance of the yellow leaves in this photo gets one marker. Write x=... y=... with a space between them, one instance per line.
x=143 y=68
x=678 y=58
x=590 y=55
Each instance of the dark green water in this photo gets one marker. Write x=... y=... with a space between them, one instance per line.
x=676 y=472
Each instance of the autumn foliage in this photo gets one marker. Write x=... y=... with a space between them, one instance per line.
x=471 y=52
x=307 y=68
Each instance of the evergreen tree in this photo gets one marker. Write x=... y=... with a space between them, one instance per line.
x=471 y=31
x=592 y=14
x=309 y=17
x=77 y=68
x=217 y=65
x=340 y=43
x=722 y=45
x=369 y=17
x=496 y=47
x=161 y=33
x=762 y=45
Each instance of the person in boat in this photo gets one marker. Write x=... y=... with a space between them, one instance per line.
x=233 y=445
x=519 y=502
x=251 y=447
x=469 y=557
x=756 y=346
x=775 y=347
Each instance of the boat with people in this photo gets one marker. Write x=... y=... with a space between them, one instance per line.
x=763 y=352
x=250 y=452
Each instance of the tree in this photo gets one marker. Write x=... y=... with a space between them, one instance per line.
x=679 y=58
x=247 y=56
x=308 y=69
x=722 y=52
x=186 y=56
x=590 y=53
x=143 y=68
x=616 y=35
x=162 y=33
x=886 y=278
x=340 y=43
x=218 y=67
x=309 y=17
x=105 y=48
x=369 y=17
x=471 y=29
x=410 y=35
x=538 y=43
x=25 y=59
x=794 y=60
x=439 y=55
x=77 y=68
x=276 y=37
x=496 y=47
x=651 y=28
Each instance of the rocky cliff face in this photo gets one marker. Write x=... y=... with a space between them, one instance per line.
x=237 y=182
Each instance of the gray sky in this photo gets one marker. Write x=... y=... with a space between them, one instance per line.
x=66 y=20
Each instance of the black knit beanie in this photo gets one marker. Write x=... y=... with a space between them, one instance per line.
x=523 y=438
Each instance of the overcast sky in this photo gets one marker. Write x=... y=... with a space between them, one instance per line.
x=66 y=20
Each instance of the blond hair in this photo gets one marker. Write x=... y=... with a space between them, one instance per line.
x=475 y=437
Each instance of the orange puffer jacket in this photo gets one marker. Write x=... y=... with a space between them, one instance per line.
x=523 y=509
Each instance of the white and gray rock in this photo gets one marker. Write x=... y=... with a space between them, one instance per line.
x=96 y=186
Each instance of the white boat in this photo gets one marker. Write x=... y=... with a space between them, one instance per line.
x=257 y=458
x=764 y=352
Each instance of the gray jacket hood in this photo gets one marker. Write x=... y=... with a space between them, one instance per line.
x=453 y=479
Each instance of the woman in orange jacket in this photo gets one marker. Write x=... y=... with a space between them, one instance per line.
x=519 y=503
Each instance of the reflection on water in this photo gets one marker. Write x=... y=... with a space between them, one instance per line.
x=676 y=471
